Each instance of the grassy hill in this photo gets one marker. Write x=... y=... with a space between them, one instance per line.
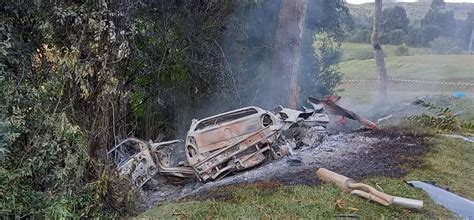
x=420 y=66
x=415 y=10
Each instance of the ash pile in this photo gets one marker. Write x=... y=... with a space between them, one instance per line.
x=226 y=145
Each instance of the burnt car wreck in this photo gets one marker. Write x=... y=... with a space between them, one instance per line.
x=229 y=142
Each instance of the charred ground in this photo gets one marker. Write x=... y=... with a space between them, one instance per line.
x=388 y=152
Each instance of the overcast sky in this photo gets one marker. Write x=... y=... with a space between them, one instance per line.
x=364 y=1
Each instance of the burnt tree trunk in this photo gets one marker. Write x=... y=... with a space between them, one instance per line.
x=288 y=40
x=378 y=53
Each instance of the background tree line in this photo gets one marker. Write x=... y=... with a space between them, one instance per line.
x=438 y=28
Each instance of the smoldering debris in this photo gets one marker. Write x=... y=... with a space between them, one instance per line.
x=251 y=145
x=359 y=154
x=229 y=142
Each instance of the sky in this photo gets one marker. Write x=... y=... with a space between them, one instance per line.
x=364 y=1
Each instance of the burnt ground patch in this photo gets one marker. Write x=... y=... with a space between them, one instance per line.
x=383 y=152
x=393 y=154
x=398 y=152
x=388 y=152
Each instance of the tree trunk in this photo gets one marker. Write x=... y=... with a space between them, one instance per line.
x=288 y=40
x=472 y=39
x=378 y=53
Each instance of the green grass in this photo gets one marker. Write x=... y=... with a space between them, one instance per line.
x=358 y=51
x=449 y=164
x=449 y=68
x=458 y=68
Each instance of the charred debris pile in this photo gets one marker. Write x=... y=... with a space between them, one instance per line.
x=232 y=141
x=251 y=144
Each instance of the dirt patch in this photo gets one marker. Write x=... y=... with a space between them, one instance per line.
x=383 y=152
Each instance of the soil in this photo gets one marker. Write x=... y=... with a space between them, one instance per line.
x=382 y=152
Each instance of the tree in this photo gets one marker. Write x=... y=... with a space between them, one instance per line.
x=438 y=22
x=332 y=17
x=469 y=28
x=288 y=40
x=327 y=51
x=472 y=39
x=378 y=53
x=394 y=18
x=437 y=4
x=74 y=78
x=395 y=37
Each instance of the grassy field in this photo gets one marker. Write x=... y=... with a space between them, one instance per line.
x=357 y=51
x=454 y=68
x=444 y=164
x=422 y=66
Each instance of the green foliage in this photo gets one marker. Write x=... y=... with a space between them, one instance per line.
x=402 y=50
x=56 y=67
x=4 y=140
x=421 y=22
x=359 y=36
x=437 y=22
x=327 y=52
x=394 y=18
x=421 y=37
x=442 y=119
x=78 y=77
x=444 y=45
x=394 y=37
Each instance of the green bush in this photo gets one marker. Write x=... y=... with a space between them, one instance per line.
x=395 y=37
x=48 y=165
x=402 y=50
x=359 y=36
x=327 y=52
x=444 y=45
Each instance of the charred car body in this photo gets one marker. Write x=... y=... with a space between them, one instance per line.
x=232 y=141
x=222 y=144
x=141 y=161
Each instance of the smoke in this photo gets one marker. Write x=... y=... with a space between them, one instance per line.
x=249 y=47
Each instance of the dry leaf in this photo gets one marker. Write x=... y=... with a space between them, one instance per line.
x=340 y=203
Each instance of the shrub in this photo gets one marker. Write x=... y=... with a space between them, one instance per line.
x=402 y=50
x=444 y=45
x=395 y=37
x=327 y=52
x=439 y=118
x=359 y=36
